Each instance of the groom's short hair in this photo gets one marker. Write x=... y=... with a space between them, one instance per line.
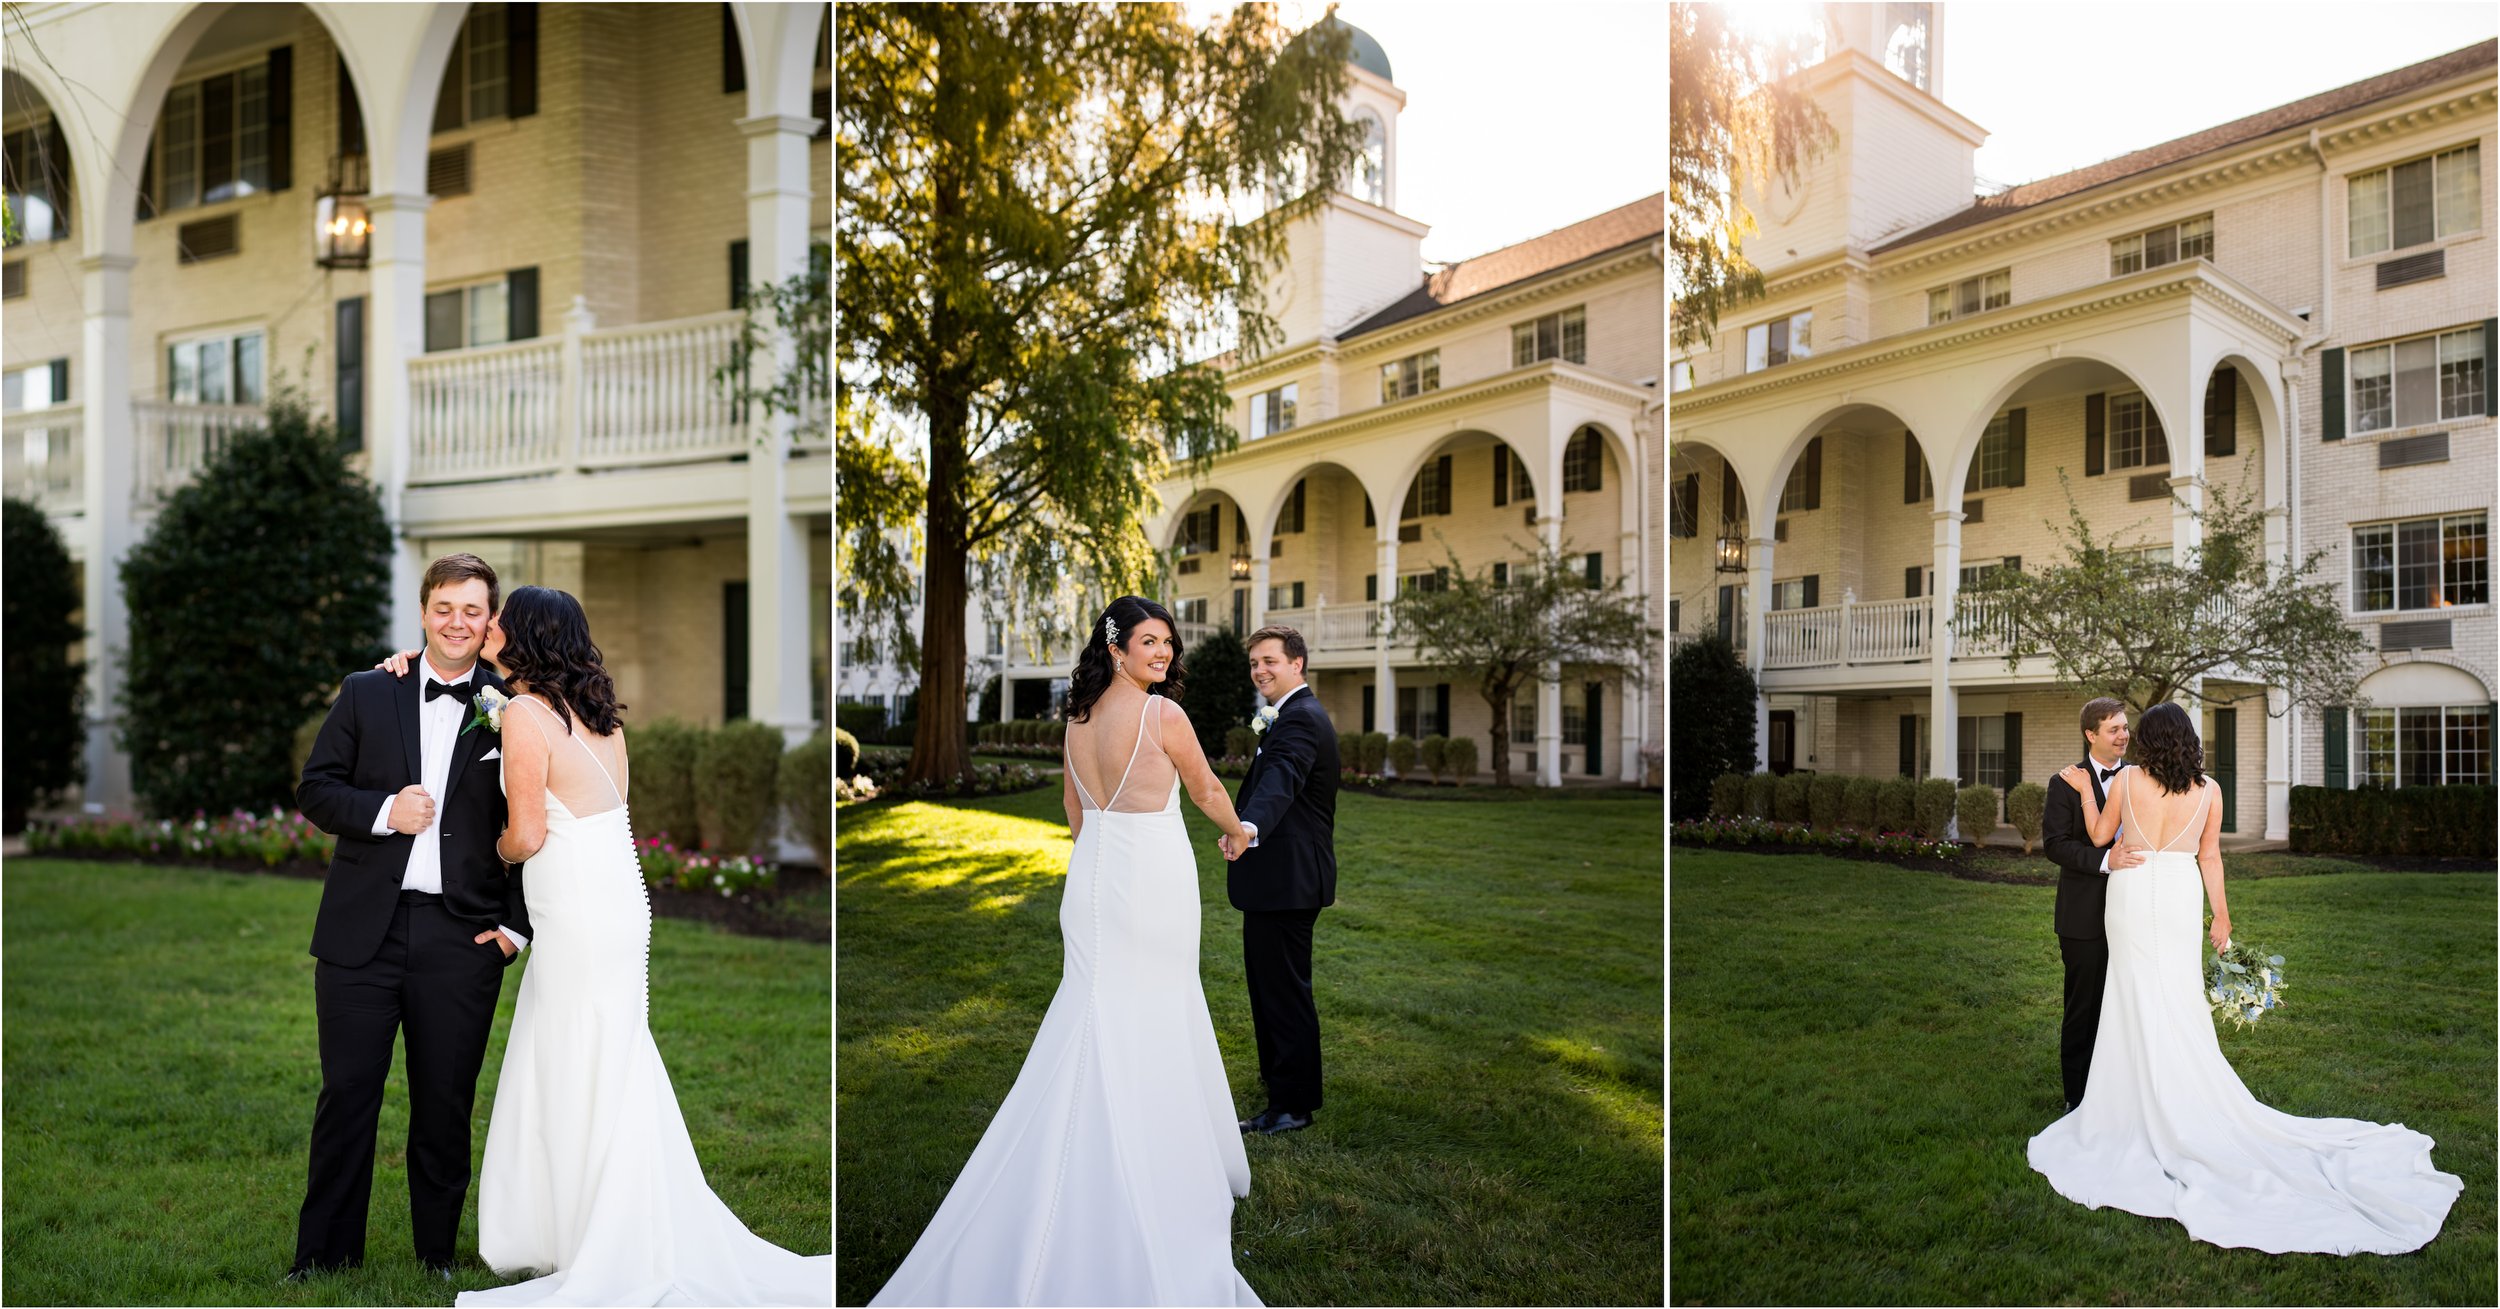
x=2098 y=710
x=1295 y=647
x=450 y=570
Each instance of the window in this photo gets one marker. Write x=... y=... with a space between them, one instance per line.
x=1971 y=295
x=1778 y=341
x=1523 y=718
x=2430 y=745
x=215 y=370
x=1555 y=336
x=1194 y=611
x=1202 y=531
x=1595 y=566
x=1684 y=507
x=1425 y=582
x=1905 y=41
x=1411 y=376
x=2421 y=563
x=1285 y=595
x=1575 y=721
x=2414 y=202
x=37 y=161
x=1429 y=493
x=1292 y=518
x=1790 y=594
x=1584 y=461
x=494 y=55
x=1371 y=167
x=1679 y=376
x=2423 y=379
x=1999 y=461
x=39 y=387
x=2191 y=239
x=464 y=316
x=212 y=143
x=1272 y=411
x=1980 y=751
x=997 y=640
x=2135 y=435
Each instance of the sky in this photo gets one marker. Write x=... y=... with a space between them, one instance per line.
x=1519 y=118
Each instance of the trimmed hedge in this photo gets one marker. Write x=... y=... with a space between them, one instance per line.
x=1462 y=758
x=1792 y=798
x=845 y=754
x=1758 y=790
x=1933 y=806
x=1402 y=752
x=1240 y=742
x=660 y=784
x=1896 y=803
x=807 y=795
x=2027 y=806
x=735 y=768
x=2445 y=821
x=1824 y=799
x=1857 y=803
x=1727 y=795
x=1434 y=750
x=1975 y=809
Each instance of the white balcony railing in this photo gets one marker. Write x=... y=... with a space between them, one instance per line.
x=648 y=395
x=40 y=459
x=175 y=441
x=485 y=412
x=1889 y=631
x=1333 y=628
x=1879 y=632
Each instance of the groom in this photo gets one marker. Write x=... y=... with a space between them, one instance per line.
x=418 y=920
x=1288 y=804
x=2083 y=889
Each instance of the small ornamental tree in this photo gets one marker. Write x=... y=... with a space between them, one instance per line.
x=43 y=689
x=1217 y=694
x=265 y=582
x=1711 y=728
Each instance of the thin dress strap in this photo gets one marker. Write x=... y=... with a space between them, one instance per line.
x=2126 y=802
x=2204 y=798
x=613 y=788
x=1132 y=753
x=1067 y=760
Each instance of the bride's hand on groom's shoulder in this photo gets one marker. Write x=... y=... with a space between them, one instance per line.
x=397 y=664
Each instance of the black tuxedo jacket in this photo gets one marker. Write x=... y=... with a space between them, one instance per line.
x=2082 y=888
x=1290 y=795
x=368 y=750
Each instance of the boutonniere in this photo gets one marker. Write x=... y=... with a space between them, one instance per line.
x=1260 y=720
x=488 y=708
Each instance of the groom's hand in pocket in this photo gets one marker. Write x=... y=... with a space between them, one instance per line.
x=499 y=939
x=412 y=810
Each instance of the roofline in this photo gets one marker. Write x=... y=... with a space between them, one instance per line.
x=1521 y=286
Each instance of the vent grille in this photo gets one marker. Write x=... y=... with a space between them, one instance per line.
x=2430 y=448
x=13 y=279
x=2421 y=634
x=1779 y=530
x=2148 y=486
x=1186 y=567
x=207 y=239
x=1975 y=511
x=2413 y=268
x=447 y=170
x=1410 y=533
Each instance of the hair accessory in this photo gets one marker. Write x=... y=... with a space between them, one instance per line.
x=1110 y=630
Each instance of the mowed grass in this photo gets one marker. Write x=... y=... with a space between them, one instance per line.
x=1862 y=1052
x=1489 y=995
x=161 y=1066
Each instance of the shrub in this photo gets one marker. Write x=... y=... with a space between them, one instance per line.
x=1402 y=755
x=1434 y=750
x=846 y=754
x=1375 y=752
x=807 y=795
x=1220 y=692
x=1857 y=804
x=1824 y=800
x=660 y=782
x=1240 y=742
x=1727 y=795
x=1350 y=750
x=734 y=772
x=2026 y=805
x=903 y=733
x=1462 y=758
x=43 y=690
x=1712 y=730
x=1758 y=791
x=867 y=722
x=215 y=692
x=1791 y=797
x=1975 y=809
x=1932 y=807
x=1896 y=804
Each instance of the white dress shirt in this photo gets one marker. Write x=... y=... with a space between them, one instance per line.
x=2095 y=765
x=439 y=721
x=1279 y=706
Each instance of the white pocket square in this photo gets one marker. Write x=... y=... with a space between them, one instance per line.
x=491 y=754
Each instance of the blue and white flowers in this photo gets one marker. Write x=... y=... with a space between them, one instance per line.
x=2243 y=985
x=1260 y=720
x=489 y=710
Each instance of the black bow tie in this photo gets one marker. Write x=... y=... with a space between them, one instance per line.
x=2108 y=773
x=461 y=691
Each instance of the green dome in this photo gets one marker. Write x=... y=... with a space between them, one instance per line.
x=1366 y=53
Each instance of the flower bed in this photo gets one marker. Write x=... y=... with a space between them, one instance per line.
x=1763 y=831
x=666 y=867
x=271 y=840
x=883 y=775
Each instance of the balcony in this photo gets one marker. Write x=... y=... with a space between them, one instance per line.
x=175 y=441
x=1879 y=632
x=1335 y=629
x=40 y=459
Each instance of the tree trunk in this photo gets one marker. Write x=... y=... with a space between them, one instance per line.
x=1501 y=736
x=941 y=751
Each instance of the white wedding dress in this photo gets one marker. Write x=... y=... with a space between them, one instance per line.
x=2167 y=1130
x=1109 y=1173
x=590 y=1176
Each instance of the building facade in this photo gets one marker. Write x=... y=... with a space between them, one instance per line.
x=1408 y=424
x=2296 y=305
x=561 y=208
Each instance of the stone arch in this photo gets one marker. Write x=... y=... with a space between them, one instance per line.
x=2401 y=675
x=1412 y=467
x=778 y=44
x=1950 y=470
x=34 y=85
x=2264 y=380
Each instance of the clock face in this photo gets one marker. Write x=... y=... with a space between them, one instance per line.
x=1788 y=196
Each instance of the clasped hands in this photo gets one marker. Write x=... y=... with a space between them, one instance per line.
x=1232 y=845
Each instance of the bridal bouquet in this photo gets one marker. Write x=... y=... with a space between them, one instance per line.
x=2243 y=984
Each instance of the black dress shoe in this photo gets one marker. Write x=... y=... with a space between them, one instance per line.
x=297 y=1275
x=443 y=1271
x=1271 y=1121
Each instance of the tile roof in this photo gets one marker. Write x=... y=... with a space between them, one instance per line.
x=2403 y=81
x=1640 y=221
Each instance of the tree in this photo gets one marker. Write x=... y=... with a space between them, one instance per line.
x=1499 y=633
x=1035 y=238
x=1711 y=727
x=264 y=582
x=1732 y=119
x=2114 y=622
x=1219 y=692
x=43 y=689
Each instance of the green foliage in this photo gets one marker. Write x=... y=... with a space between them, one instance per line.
x=660 y=783
x=1826 y=797
x=807 y=795
x=992 y=688
x=1975 y=812
x=1857 y=804
x=1498 y=634
x=846 y=754
x=867 y=722
x=1402 y=752
x=1218 y=695
x=2437 y=821
x=1735 y=117
x=216 y=691
x=1434 y=750
x=735 y=768
x=1727 y=795
x=42 y=691
x=2027 y=806
x=1759 y=790
x=1375 y=753
x=1461 y=758
x=1239 y=743
x=1896 y=804
x=1712 y=729
x=1933 y=807
x=1791 y=798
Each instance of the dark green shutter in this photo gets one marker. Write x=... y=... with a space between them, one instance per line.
x=2014 y=563
x=351 y=113
x=280 y=117
x=1596 y=458
x=520 y=36
x=1501 y=475
x=1371 y=594
x=2020 y=426
x=147 y=183
x=733 y=650
x=1813 y=590
x=1596 y=565
x=2338 y=761
x=1727 y=614
x=1814 y=473
x=1909 y=745
x=1445 y=484
x=2013 y=763
x=2331 y=392
x=521 y=304
x=60 y=381
x=1592 y=725
x=1910 y=464
x=738 y=274
x=442 y=321
x=1731 y=494
x=56 y=172
x=1441 y=708
x=2491 y=353
x=348 y=352
x=733 y=63
x=1371 y=697
x=2493 y=706
x=1909 y=582
x=2095 y=431
x=2222 y=413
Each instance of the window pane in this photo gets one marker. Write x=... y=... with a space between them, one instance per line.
x=1258 y=414
x=1999 y=291
x=1969 y=290
x=2417 y=381
x=486 y=62
x=2374 y=568
x=1285 y=405
x=2460 y=190
x=181 y=145
x=2373 y=390
x=1940 y=304
x=1431 y=371
x=2196 y=239
x=1757 y=347
x=2469 y=746
x=2465 y=563
x=2418 y=747
x=1801 y=336
x=2161 y=247
x=1548 y=336
x=2365 y=214
x=13 y=389
x=2417 y=564
x=1523 y=345
x=2378 y=748
x=2126 y=430
x=247 y=369
x=217 y=137
x=2412 y=202
x=488 y=322
x=215 y=388
x=2126 y=256
x=1575 y=336
x=2461 y=379
x=182 y=377
x=252 y=120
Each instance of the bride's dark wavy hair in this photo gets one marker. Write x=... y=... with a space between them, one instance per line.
x=546 y=643
x=1093 y=673
x=2166 y=746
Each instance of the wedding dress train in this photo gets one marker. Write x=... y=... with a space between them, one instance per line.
x=2167 y=1130
x=1109 y=1173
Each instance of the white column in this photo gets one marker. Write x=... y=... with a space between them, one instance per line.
x=1631 y=718
x=1549 y=675
x=1258 y=589
x=2278 y=764
x=1385 y=674
x=110 y=454
x=394 y=337
x=777 y=562
x=1943 y=732
x=1758 y=560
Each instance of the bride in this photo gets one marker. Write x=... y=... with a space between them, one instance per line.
x=1108 y=1175
x=2166 y=1129
x=590 y=1176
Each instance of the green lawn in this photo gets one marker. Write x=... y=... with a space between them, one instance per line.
x=1488 y=988
x=161 y=1068
x=1861 y=1053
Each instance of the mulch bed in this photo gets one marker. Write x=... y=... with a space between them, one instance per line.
x=750 y=914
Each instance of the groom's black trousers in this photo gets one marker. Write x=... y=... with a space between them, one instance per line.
x=2087 y=970
x=1276 y=959
x=433 y=979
